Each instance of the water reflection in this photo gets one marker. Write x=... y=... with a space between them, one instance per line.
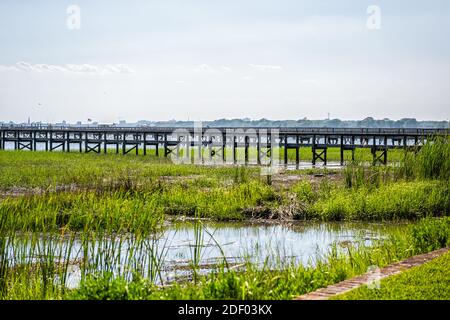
x=174 y=252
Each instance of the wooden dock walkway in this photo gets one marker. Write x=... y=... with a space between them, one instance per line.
x=214 y=141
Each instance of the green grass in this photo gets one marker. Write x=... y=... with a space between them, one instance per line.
x=131 y=210
x=430 y=281
x=94 y=198
x=431 y=162
x=393 y=201
x=117 y=212
x=51 y=169
x=135 y=210
x=44 y=169
x=285 y=282
x=128 y=193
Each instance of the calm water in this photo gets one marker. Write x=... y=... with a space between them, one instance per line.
x=173 y=251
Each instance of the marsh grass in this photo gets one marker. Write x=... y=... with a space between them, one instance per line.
x=395 y=201
x=284 y=281
x=51 y=169
x=106 y=228
x=430 y=162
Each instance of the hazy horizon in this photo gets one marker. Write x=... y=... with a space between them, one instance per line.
x=202 y=60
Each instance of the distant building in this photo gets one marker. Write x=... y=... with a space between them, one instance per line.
x=106 y=125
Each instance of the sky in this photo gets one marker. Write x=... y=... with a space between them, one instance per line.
x=117 y=60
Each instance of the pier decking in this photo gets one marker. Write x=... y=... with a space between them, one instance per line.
x=214 y=141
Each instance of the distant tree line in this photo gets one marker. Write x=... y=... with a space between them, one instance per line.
x=368 y=122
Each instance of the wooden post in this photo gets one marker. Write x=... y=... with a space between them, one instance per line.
x=105 y=143
x=209 y=142
x=314 y=150
x=2 y=140
x=270 y=149
x=297 y=152
x=342 y=150
x=124 y=143
x=145 y=144
x=353 y=148
x=285 y=149
x=246 y=144
x=51 y=141
x=234 y=149
x=258 y=148
x=157 y=144
x=80 y=142
x=165 y=145
x=68 y=141
x=224 y=146
x=136 y=139
x=86 y=147
x=374 y=150
x=33 y=137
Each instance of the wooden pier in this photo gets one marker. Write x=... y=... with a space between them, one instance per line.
x=217 y=142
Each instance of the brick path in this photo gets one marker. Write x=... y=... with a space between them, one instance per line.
x=353 y=283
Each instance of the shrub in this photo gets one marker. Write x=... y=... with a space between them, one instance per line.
x=431 y=234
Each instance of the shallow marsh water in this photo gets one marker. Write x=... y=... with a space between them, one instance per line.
x=181 y=247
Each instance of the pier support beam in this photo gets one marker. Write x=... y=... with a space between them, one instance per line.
x=380 y=157
x=96 y=148
x=246 y=145
x=285 y=149
x=145 y=143
x=105 y=143
x=96 y=139
x=166 y=148
x=224 y=147
x=320 y=153
x=234 y=150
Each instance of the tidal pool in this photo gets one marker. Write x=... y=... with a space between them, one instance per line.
x=182 y=247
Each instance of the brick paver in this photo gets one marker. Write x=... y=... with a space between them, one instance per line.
x=353 y=283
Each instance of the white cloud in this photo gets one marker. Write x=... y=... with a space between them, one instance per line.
x=204 y=68
x=225 y=68
x=266 y=67
x=68 y=68
x=25 y=66
x=8 y=68
x=212 y=69
x=124 y=68
x=82 y=68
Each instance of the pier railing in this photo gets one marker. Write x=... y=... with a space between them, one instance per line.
x=216 y=142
